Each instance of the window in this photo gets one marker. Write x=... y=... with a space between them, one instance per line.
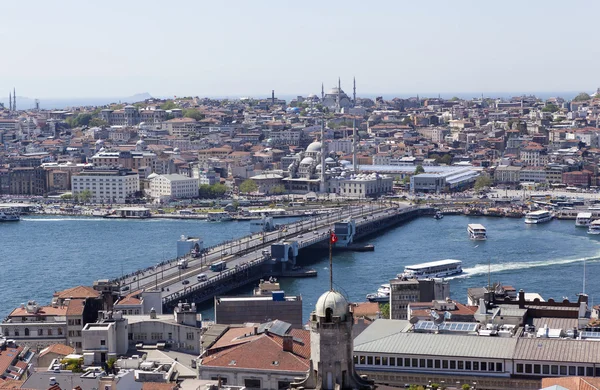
x=26 y=331
x=377 y=361
x=520 y=368
x=190 y=335
x=40 y=332
x=572 y=370
x=453 y=364
x=406 y=362
x=581 y=371
x=483 y=366
x=563 y=370
x=362 y=360
x=589 y=371
x=468 y=366
x=252 y=383
x=170 y=336
x=355 y=359
x=422 y=363
x=283 y=385
x=102 y=342
x=461 y=365
x=445 y=364
x=60 y=331
x=415 y=362
x=49 y=332
x=16 y=333
x=546 y=369
x=429 y=363
x=384 y=361
x=393 y=361
x=499 y=367
x=554 y=370
x=370 y=360
x=437 y=363
x=476 y=367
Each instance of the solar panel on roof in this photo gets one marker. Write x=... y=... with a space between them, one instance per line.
x=447 y=326
x=280 y=328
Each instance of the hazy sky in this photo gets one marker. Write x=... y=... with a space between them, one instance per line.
x=246 y=48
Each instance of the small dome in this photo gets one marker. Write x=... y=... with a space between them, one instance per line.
x=329 y=160
x=100 y=142
x=152 y=175
x=140 y=142
x=176 y=150
x=332 y=300
x=314 y=147
x=307 y=161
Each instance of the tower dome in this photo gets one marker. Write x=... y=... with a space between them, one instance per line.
x=334 y=301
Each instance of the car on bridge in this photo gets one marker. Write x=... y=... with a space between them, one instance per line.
x=185 y=282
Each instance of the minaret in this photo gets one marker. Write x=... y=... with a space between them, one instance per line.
x=338 y=107
x=322 y=91
x=9 y=102
x=354 y=93
x=354 y=162
x=322 y=188
x=14 y=100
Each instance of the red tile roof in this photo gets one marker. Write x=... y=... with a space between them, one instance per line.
x=266 y=352
x=77 y=292
x=75 y=307
x=59 y=349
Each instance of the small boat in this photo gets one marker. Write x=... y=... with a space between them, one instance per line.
x=594 y=227
x=438 y=215
x=7 y=215
x=536 y=217
x=583 y=219
x=476 y=231
x=382 y=294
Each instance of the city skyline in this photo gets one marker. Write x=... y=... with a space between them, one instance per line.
x=245 y=49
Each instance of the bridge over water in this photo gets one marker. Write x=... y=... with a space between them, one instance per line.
x=254 y=256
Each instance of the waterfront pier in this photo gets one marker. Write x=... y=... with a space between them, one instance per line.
x=264 y=254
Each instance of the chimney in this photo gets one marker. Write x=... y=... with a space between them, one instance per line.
x=521 y=299
x=272 y=96
x=256 y=330
x=288 y=343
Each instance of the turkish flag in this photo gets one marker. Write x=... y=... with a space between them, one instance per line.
x=333 y=238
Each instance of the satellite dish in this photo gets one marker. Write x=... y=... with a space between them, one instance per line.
x=413 y=320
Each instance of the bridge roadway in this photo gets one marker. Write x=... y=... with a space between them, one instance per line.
x=168 y=277
x=248 y=265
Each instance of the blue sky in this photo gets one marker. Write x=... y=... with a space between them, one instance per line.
x=66 y=49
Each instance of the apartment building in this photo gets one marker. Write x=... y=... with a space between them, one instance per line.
x=106 y=185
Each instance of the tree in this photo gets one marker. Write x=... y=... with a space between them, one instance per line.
x=419 y=170
x=66 y=197
x=248 y=186
x=384 y=309
x=168 y=105
x=85 y=196
x=97 y=122
x=482 y=182
x=550 y=108
x=582 y=97
x=73 y=365
x=466 y=386
x=212 y=191
x=278 y=189
x=446 y=159
x=193 y=113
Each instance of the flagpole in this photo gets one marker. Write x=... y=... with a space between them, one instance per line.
x=330 y=263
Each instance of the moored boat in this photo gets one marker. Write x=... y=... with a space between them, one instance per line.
x=583 y=219
x=7 y=215
x=382 y=294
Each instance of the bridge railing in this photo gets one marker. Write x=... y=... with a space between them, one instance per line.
x=214 y=280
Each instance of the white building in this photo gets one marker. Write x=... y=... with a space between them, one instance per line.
x=105 y=339
x=174 y=186
x=362 y=185
x=106 y=185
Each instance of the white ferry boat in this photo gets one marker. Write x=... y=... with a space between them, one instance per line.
x=219 y=216
x=583 y=219
x=8 y=216
x=476 y=231
x=434 y=269
x=382 y=294
x=540 y=216
x=594 y=227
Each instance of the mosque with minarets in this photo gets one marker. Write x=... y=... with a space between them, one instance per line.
x=336 y=99
x=318 y=170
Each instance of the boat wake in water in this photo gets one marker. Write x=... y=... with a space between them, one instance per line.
x=482 y=269
x=84 y=219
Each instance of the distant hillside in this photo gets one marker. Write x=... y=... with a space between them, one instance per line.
x=51 y=104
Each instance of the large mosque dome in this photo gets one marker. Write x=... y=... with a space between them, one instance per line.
x=332 y=300
x=314 y=147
